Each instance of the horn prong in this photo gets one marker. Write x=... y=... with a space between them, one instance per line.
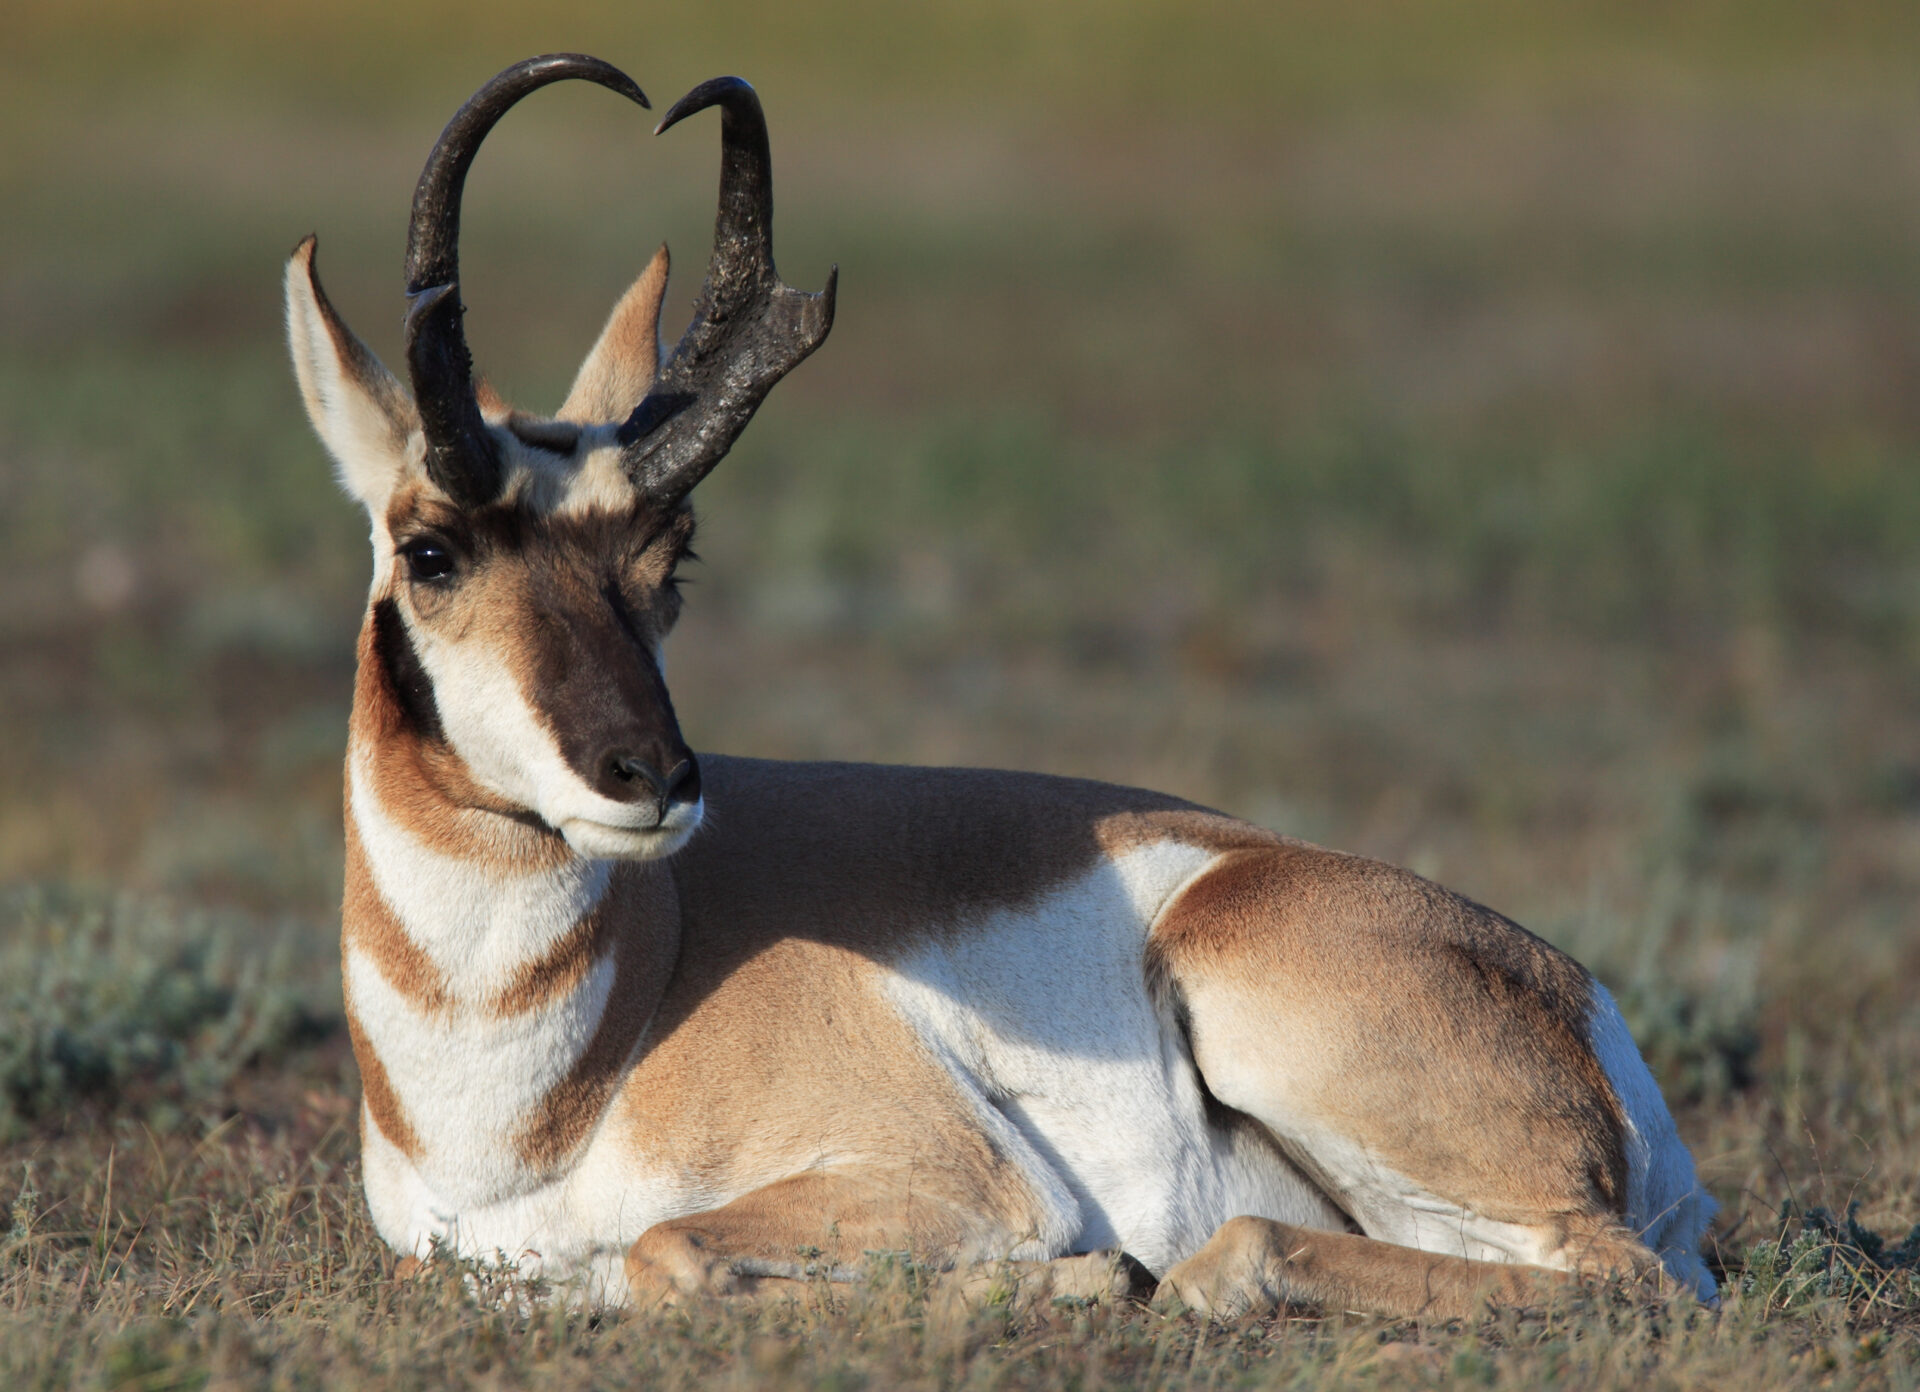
x=749 y=328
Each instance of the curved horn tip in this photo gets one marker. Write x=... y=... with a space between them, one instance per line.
x=599 y=70
x=735 y=93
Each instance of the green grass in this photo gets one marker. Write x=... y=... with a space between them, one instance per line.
x=149 y=1015
x=1479 y=435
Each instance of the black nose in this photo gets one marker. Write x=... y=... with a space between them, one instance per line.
x=633 y=777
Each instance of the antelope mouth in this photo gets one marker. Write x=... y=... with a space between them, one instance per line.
x=654 y=840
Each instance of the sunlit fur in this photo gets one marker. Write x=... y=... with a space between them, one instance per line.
x=658 y=1049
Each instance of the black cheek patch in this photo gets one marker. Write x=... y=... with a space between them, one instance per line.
x=406 y=678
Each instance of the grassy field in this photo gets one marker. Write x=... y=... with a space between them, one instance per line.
x=1480 y=435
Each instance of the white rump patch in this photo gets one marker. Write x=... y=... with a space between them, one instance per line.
x=1665 y=1204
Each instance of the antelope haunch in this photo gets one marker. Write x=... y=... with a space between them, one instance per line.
x=658 y=1023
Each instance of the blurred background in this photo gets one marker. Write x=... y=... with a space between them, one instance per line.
x=1483 y=435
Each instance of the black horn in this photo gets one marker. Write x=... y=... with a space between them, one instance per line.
x=461 y=456
x=749 y=329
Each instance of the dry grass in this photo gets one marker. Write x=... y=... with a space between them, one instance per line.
x=235 y=1252
x=1477 y=435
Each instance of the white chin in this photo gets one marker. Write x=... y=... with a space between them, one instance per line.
x=604 y=841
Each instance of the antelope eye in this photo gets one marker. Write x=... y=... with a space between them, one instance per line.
x=428 y=560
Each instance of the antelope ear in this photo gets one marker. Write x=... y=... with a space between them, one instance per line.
x=620 y=369
x=359 y=409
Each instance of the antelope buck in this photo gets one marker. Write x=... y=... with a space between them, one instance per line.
x=655 y=1024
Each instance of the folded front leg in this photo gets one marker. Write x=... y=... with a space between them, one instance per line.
x=826 y=1225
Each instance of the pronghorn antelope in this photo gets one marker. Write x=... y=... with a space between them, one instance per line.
x=655 y=1023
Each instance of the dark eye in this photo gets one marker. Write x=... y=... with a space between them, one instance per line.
x=428 y=560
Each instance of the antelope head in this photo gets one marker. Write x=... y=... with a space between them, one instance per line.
x=523 y=566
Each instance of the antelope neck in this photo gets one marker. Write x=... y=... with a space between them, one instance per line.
x=497 y=982
x=479 y=918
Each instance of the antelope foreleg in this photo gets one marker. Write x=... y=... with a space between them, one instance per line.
x=826 y=1226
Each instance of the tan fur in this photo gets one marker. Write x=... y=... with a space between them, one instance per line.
x=621 y=367
x=928 y=847
x=426 y=787
x=1029 y=1289
x=1313 y=951
x=1253 y=1264
x=368 y=925
x=726 y=1251
x=638 y=922
x=840 y=1216
x=714 y=1097
x=539 y=980
x=493 y=406
x=1120 y=832
x=779 y=974
x=376 y=1090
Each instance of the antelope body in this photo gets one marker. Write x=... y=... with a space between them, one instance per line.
x=659 y=1024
